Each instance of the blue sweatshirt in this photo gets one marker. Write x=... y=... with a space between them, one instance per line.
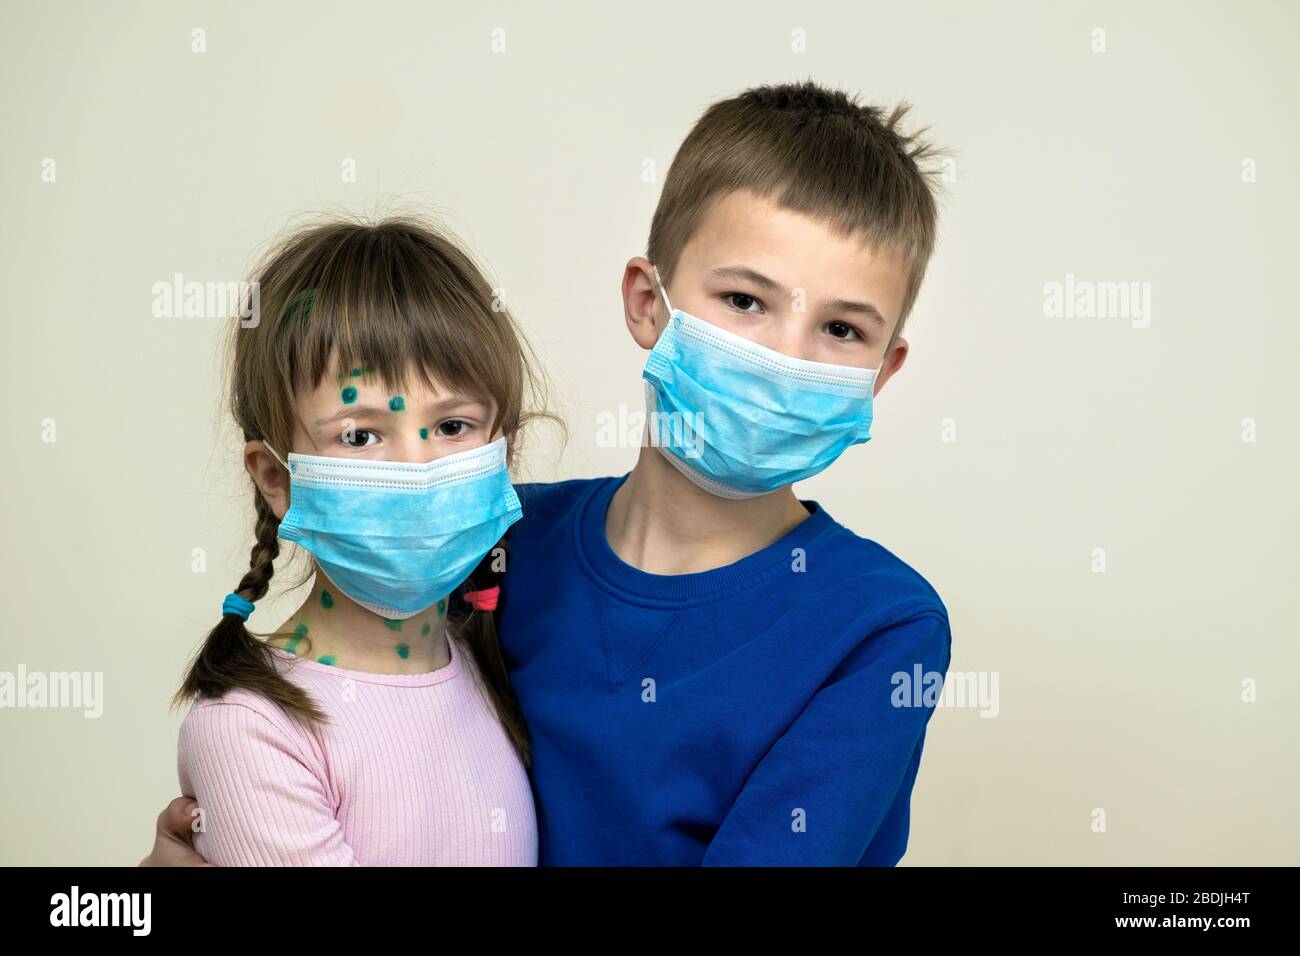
x=770 y=712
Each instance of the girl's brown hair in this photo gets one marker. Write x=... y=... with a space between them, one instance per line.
x=343 y=297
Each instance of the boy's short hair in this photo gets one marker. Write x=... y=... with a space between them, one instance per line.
x=816 y=151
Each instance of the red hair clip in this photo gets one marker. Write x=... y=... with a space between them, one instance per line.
x=485 y=600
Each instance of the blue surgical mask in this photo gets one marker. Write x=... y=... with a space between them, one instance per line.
x=397 y=537
x=742 y=420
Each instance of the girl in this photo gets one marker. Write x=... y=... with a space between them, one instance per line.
x=377 y=388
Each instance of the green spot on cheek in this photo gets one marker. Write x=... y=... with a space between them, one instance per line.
x=326 y=600
x=393 y=625
x=327 y=659
x=403 y=651
x=424 y=433
x=424 y=631
x=397 y=403
x=349 y=395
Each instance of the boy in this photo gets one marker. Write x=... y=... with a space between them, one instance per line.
x=707 y=666
x=712 y=671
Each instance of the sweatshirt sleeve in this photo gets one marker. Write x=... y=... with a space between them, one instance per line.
x=819 y=795
x=262 y=803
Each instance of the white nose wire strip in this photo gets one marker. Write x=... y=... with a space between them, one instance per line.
x=401 y=475
x=315 y=469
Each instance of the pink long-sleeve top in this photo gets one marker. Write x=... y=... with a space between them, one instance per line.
x=412 y=770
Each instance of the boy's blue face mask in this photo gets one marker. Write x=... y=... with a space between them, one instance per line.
x=397 y=537
x=742 y=420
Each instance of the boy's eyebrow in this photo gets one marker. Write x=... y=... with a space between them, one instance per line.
x=750 y=275
x=860 y=308
x=771 y=285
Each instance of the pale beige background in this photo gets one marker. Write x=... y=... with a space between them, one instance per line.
x=1119 y=690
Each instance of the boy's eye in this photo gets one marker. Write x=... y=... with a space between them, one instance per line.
x=742 y=302
x=844 y=331
x=358 y=438
x=454 y=428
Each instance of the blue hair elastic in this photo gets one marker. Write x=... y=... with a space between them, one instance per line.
x=237 y=605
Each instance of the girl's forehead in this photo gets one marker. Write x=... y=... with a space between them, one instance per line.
x=364 y=385
x=367 y=378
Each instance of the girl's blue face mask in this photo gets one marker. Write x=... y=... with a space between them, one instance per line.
x=742 y=420
x=397 y=537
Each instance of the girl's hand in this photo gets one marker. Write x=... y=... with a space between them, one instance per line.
x=173 y=843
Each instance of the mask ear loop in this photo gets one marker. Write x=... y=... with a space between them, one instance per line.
x=663 y=292
x=273 y=452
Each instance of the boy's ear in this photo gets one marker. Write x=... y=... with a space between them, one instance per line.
x=643 y=306
x=893 y=362
x=269 y=475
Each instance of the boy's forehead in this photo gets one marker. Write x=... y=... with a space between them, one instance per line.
x=796 y=250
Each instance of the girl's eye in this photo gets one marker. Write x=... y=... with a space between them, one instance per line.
x=360 y=438
x=844 y=331
x=743 y=303
x=454 y=428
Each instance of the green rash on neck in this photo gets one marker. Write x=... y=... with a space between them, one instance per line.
x=392 y=625
x=424 y=630
x=442 y=607
x=403 y=651
x=299 y=632
x=326 y=600
x=327 y=659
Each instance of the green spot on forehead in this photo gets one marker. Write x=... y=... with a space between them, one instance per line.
x=397 y=403
x=299 y=307
x=349 y=395
x=358 y=372
x=403 y=651
x=393 y=625
x=327 y=658
x=326 y=600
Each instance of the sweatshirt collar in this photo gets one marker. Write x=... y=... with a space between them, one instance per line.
x=613 y=574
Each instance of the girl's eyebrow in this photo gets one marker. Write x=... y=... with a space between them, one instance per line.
x=352 y=411
x=455 y=401
x=436 y=406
